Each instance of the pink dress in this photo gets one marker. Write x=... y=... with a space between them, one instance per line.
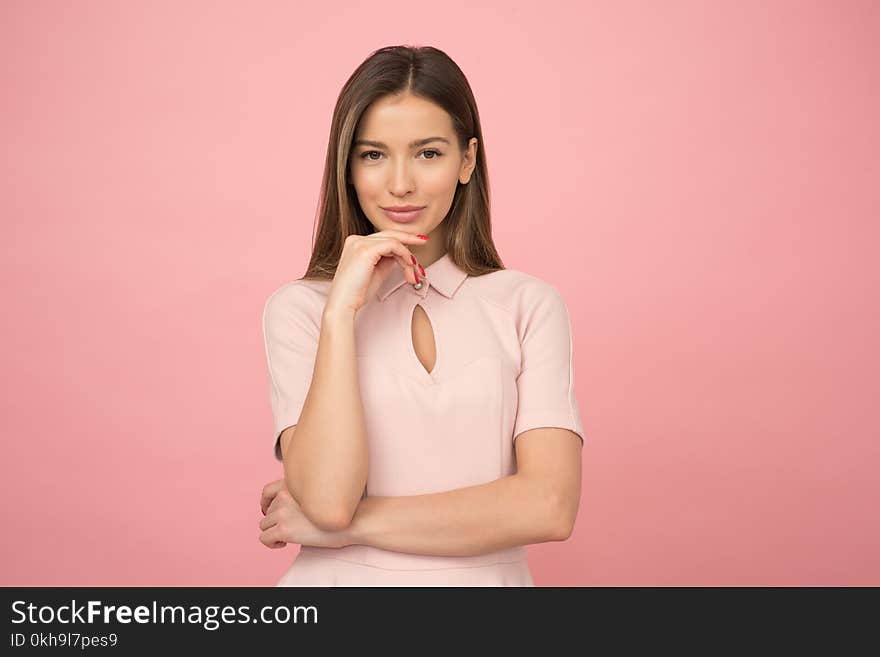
x=503 y=366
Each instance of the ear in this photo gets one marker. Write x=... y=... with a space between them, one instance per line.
x=469 y=162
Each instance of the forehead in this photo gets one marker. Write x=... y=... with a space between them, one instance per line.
x=400 y=119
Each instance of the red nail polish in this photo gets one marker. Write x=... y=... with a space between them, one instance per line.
x=424 y=237
x=413 y=259
x=422 y=269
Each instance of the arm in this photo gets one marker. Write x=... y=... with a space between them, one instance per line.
x=513 y=510
x=537 y=504
x=326 y=466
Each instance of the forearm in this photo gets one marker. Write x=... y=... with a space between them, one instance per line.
x=326 y=463
x=507 y=512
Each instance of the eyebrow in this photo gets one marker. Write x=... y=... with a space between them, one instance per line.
x=413 y=144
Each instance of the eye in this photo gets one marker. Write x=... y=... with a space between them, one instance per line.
x=366 y=154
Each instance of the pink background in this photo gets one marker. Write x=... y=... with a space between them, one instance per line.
x=699 y=180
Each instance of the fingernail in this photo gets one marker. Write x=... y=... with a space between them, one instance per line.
x=413 y=259
x=424 y=237
x=422 y=269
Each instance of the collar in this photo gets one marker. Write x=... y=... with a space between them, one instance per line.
x=443 y=275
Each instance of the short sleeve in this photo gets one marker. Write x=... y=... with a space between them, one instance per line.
x=545 y=385
x=290 y=337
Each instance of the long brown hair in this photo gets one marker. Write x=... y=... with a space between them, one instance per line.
x=429 y=73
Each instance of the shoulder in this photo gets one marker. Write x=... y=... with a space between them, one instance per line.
x=300 y=300
x=517 y=291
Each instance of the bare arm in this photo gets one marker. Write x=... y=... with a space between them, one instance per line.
x=326 y=465
x=537 y=504
x=514 y=510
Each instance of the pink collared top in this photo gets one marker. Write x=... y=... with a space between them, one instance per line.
x=504 y=365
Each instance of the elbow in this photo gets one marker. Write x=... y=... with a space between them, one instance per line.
x=327 y=514
x=563 y=530
x=563 y=517
x=331 y=519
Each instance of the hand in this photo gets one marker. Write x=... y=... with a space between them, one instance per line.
x=365 y=263
x=286 y=523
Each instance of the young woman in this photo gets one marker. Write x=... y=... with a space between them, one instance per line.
x=422 y=394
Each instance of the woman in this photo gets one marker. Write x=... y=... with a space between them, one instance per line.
x=422 y=394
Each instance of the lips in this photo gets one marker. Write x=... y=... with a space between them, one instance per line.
x=404 y=217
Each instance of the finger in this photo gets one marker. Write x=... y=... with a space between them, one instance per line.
x=274 y=506
x=409 y=269
x=270 y=490
x=392 y=247
x=272 y=536
x=399 y=236
x=387 y=249
x=406 y=238
x=410 y=262
x=269 y=521
x=401 y=262
x=264 y=503
x=271 y=542
x=402 y=235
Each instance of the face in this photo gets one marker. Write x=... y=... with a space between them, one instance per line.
x=392 y=171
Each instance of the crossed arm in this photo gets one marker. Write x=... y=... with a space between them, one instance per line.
x=536 y=504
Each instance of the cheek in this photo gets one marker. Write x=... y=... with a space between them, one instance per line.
x=440 y=180
x=366 y=182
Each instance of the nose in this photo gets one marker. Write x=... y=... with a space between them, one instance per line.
x=401 y=179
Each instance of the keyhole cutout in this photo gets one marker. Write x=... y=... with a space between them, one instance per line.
x=423 y=339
